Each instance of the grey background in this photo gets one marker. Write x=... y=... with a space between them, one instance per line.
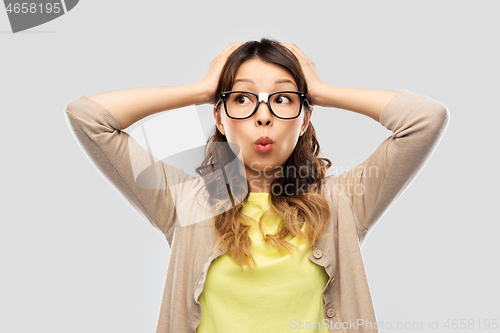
x=76 y=257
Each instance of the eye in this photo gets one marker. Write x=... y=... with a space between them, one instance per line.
x=242 y=99
x=282 y=99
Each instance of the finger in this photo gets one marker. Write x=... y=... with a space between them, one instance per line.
x=289 y=46
x=293 y=48
x=222 y=57
x=296 y=50
x=230 y=48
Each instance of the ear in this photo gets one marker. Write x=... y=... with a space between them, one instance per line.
x=306 y=121
x=218 y=122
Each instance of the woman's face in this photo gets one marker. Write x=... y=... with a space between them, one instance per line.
x=256 y=76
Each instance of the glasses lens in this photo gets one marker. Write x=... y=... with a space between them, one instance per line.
x=240 y=105
x=283 y=104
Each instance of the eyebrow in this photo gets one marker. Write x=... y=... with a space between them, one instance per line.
x=275 y=82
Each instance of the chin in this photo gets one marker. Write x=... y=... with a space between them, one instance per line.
x=261 y=165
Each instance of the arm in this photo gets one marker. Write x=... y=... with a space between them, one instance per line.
x=139 y=177
x=369 y=102
x=417 y=124
x=97 y=123
x=131 y=105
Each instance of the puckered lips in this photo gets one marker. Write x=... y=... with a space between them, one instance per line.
x=264 y=144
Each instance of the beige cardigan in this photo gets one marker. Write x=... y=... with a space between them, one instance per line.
x=359 y=197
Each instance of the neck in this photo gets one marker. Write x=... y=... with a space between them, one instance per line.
x=260 y=181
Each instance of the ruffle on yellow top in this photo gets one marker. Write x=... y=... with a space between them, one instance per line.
x=281 y=292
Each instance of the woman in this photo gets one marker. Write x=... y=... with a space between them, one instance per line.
x=282 y=251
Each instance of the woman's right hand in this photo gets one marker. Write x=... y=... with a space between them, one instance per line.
x=211 y=78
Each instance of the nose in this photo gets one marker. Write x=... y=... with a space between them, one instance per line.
x=263 y=115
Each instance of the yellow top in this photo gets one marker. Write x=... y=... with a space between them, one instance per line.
x=283 y=293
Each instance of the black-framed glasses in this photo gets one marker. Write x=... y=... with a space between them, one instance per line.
x=243 y=104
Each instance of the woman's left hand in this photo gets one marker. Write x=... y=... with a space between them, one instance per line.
x=309 y=68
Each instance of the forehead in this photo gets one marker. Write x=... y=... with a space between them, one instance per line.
x=259 y=74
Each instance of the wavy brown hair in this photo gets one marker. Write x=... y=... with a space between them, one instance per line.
x=305 y=206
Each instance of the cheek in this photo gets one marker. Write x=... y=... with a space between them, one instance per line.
x=292 y=136
x=293 y=131
x=234 y=131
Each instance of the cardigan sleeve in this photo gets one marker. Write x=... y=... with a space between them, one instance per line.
x=140 y=177
x=417 y=123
